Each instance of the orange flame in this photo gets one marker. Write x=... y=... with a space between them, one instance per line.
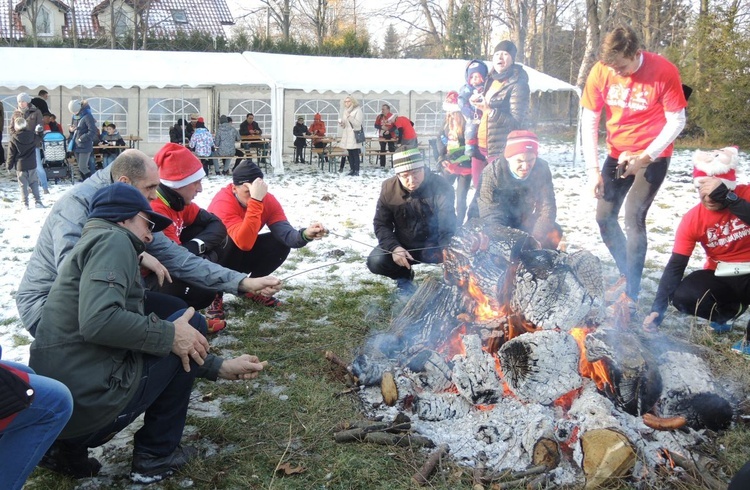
x=483 y=310
x=567 y=399
x=596 y=370
x=454 y=345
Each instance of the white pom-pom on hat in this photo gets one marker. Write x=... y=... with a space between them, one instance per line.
x=718 y=163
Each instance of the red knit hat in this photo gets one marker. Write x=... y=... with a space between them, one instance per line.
x=718 y=163
x=178 y=166
x=200 y=119
x=521 y=142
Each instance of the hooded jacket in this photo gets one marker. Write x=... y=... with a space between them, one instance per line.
x=509 y=107
x=22 y=150
x=226 y=136
x=86 y=134
x=317 y=128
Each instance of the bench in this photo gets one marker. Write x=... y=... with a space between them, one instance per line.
x=377 y=154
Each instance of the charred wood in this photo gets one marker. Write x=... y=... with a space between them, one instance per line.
x=441 y=406
x=541 y=366
x=474 y=374
x=422 y=476
x=699 y=470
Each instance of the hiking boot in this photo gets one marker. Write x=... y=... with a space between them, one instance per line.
x=216 y=309
x=70 y=460
x=269 y=301
x=720 y=328
x=215 y=325
x=613 y=292
x=147 y=469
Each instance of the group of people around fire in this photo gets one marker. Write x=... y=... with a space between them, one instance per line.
x=125 y=260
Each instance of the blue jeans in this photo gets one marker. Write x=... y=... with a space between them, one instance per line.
x=107 y=160
x=40 y=170
x=163 y=395
x=33 y=430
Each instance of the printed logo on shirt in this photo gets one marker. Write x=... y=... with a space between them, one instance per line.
x=634 y=98
x=723 y=234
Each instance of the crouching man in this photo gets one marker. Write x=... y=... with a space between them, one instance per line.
x=517 y=191
x=415 y=219
x=720 y=292
x=118 y=362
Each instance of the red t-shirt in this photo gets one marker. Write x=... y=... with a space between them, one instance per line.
x=404 y=125
x=180 y=219
x=244 y=224
x=723 y=236
x=635 y=105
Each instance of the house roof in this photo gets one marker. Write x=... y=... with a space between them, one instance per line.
x=208 y=16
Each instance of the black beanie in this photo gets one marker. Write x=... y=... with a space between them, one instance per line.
x=246 y=171
x=508 y=47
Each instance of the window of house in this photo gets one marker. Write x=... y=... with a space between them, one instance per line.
x=179 y=16
x=44 y=22
x=122 y=23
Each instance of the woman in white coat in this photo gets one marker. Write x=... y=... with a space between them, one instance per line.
x=350 y=121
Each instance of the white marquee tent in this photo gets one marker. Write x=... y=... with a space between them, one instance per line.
x=76 y=69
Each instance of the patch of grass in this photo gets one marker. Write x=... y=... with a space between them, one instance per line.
x=19 y=340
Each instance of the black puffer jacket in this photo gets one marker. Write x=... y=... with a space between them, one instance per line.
x=423 y=218
x=510 y=107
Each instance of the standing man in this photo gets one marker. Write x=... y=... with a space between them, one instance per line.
x=642 y=95
x=383 y=124
x=40 y=102
x=415 y=219
x=720 y=223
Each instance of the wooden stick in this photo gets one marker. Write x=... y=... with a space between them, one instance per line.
x=422 y=476
x=331 y=356
x=479 y=468
x=697 y=470
x=408 y=440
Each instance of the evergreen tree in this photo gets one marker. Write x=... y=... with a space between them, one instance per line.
x=464 y=40
x=391 y=43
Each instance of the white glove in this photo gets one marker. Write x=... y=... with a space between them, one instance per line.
x=39 y=128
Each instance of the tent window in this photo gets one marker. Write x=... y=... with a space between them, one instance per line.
x=114 y=110
x=428 y=119
x=164 y=113
x=179 y=16
x=44 y=22
x=261 y=109
x=372 y=109
x=9 y=105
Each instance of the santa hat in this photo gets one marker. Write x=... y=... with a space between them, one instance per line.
x=718 y=163
x=450 y=103
x=178 y=166
x=521 y=142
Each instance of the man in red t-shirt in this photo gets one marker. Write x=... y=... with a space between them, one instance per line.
x=720 y=292
x=245 y=206
x=403 y=129
x=643 y=99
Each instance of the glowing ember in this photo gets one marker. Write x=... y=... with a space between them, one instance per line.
x=455 y=345
x=483 y=310
x=597 y=370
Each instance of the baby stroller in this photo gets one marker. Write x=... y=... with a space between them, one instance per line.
x=55 y=162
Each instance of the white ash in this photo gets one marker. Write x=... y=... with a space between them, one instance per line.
x=429 y=371
x=441 y=406
x=475 y=375
x=541 y=366
x=687 y=373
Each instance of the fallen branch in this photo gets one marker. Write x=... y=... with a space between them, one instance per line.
x=422 y=476
x=359 y=433
x=408 y=440
x=479 y=468
x=698 y=470
x=514 y=476
x=334 y=359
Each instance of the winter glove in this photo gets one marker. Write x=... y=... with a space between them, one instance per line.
x=39 y=128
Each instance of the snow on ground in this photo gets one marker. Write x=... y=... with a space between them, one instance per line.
x=346 y=206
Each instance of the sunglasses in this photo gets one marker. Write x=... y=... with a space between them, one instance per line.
x=151 y=224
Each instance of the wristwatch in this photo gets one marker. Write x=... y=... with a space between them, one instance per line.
x=731 y=197
x=201 y=245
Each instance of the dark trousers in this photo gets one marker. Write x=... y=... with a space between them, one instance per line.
x=266 y=256
x=163 y=395
x=391 y=147
x=463 y=184
x=195 y=296
x=637 y=193
x=381 y=262
x=354 y=157
x=299 y=154
x=718 y=299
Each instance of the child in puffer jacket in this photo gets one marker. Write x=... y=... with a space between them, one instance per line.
x=203 y=144
x=476 y=74
x=22 y=158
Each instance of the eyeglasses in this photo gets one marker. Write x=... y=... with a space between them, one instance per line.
x=151 y=224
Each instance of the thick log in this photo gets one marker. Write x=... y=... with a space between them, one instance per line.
x=546 y=452
x=690 y=391
x=474 y=374
x=369 y=370
x=607 y=456
x=429 y=371
x=547 y=291
x=422 y=476
x=635 y=382
x=441 y=406
x=541 y=366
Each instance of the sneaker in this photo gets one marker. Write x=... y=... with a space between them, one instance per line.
x=720 y=328
x=269 y=301
x=70 y=460
x=46 y=191
x=215 y=324
x=147 y=469
x=742 y=347
x=216 y=309
x=613 y=293
x=39 y=205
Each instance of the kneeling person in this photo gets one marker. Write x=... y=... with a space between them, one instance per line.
x=118 y=362
x=415 y=219
x=517 y=191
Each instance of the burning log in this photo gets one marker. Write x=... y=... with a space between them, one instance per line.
x=547 y=291
x=633 y=379
x=441 y=406
x=607 y=455
x=690 y=391
x=422 y=476
x=541 y=366
x=368 y=370
x=430 y=371
x=475 y=375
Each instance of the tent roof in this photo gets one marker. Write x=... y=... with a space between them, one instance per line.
x=324 y=73
x=71 y=68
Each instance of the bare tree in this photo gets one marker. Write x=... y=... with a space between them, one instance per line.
x=281 y=13
x=31 y=9
x=316 y=13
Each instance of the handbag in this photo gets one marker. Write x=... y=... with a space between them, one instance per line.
x=15 y=393
x=359 y=135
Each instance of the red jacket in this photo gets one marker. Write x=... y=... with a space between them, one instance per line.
x=24 y=376
x=405 y=128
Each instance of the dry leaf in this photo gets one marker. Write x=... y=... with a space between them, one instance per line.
x=289 y=470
